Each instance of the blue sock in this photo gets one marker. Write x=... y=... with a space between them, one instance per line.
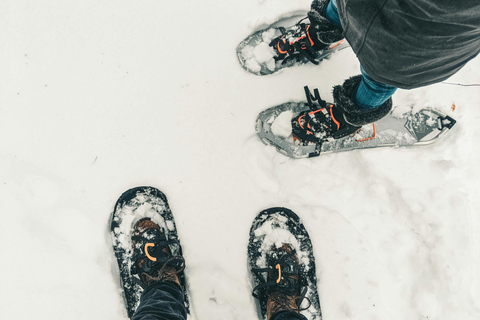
x=371 y=94
x=331 y=13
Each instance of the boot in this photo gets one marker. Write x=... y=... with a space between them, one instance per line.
x=285 y=289
x=326 y=121
x=342 y=95
x=325 y=31
x=153 y=260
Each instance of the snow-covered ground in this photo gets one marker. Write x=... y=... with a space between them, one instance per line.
x=100 y=96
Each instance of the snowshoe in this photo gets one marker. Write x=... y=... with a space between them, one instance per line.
x=282 y=265
x=146 y=244
x=308 y=129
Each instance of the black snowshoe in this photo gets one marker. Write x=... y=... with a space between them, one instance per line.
x=145 y=243
x=281 y=259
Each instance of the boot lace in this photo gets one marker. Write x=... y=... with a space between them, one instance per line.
x=283 y=288
x=168 y=272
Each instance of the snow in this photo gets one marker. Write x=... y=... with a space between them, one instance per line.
x=100 y=96
x=282 y=125
x=261 y=54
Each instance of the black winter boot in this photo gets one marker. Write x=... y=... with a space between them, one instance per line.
x=153 y=260
x=324 y=30
x=325 y=121
x=285 y=287
x=342 y=95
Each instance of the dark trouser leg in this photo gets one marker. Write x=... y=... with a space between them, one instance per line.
x=370 y=94
x=161 y=301
x=288 y=315
x=331 y=13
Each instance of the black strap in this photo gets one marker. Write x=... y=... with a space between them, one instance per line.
x=309 y=52
x=316 y=97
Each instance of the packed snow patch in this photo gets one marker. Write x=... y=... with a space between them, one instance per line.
x=282 y=125
x=257 y=56
x=264 y=53
x=259 y=53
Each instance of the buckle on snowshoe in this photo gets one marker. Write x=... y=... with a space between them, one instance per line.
x=445 y=122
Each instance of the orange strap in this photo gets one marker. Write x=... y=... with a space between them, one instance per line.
x=279 y=273
x=296 y=40
x=146 y=251
x=336 y=44
x=333 y=118
x=280 y=50
x=313 y=112
x=309 y=38
x=373 y=136
x=310 y=113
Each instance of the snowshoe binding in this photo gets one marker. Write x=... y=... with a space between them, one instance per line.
x=270 y=50
x=297 y=45
x=323 y=121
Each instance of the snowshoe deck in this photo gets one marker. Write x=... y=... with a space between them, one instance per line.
x=256 y=56
x=133 y=205
x=421 y=128
x=277 y=226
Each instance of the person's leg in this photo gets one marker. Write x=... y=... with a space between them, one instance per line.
x=158 y=265
x=161 y=301
x=331 y=13
x=371 y=94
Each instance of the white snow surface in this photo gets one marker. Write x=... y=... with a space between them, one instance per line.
x=100 y=96
x=282 y=125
